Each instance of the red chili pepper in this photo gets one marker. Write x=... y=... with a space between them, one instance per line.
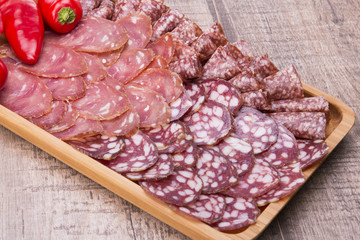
x=61 y=15
x=24 y=28
x=3 y=74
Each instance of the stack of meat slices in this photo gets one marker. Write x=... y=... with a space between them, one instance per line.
x=197 y=121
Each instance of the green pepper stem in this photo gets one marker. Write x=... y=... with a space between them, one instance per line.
x=66 y=15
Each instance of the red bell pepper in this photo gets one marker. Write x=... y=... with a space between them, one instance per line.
x=3 y=74
x=24 y=28
x=61 y=15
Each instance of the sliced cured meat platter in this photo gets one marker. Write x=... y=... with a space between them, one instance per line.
x=105 y=120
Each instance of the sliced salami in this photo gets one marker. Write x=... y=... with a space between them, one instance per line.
x=99 y=146
x=25 y=94
x=57 y=61
x=186 y=31
x=180 y=106
x=149 y=105
x=309 y=104
x=261 y=179
x=245 y=81
x=52 y=118
x=96 y=70
x=211 y=123
x=163 y=47
x=196 y=92
x=263 y=67
x=166 y=23
x=187 y=158
x=108 y=58
x=68 y=120
x=88 y=5
x=244 y=47
x=161 y=169
x=162 y=81
x=215 y=170
x=82 y=127
x=180 y=188
x=159 y=62
x=124 y=8
x=66 y=88
x=238 y=152
x=152 y=8
x=138 y=28
x=291 y=178
x=239 y=212
x=139 y=154
x=208 y=208
x=105 y=10
x=308 y=125
x=282 y=152
x=186 y=62
x=311 y=151
x=256 y=99
x=284 y=84
x=180 y=145
x=102 y=102
x=223 y=92
x=130 y=64
x=256 y=128
x=124 y=125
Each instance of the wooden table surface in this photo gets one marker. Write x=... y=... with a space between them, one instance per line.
x=41 y=198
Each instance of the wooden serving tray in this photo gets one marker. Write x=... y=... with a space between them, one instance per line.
x=340 y=120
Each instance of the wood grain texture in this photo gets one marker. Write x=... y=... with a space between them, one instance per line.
x=41 y=198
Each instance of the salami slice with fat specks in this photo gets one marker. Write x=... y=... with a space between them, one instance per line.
x=256 y=128
x=187 y=158
x=166 y=23
x=244 y=47
x=284 y=84
x=99 y=146
x=159 y=62
x=105 y=10
x=291 y=178
x=261 y=179
x=52 y=118
x=93 y=35
x=215 y=170
x=282 y=152
x=223 y=92
x=68 y=120
x=139 y=154
x=180 y=188
x=208 y=208
x=66 y=88
x=130 y=64
x=149 y=105
x=108 y=58
x=166 y=83
x=161 y=169
x=138 y=28
x=245 y=81
x=211 y=123
x=152 y=8
x=309 y=104
x=57 y=61
x=25 y=94
x=256 y=99
x=163 y=47
x=88 y=5
x=238 y=152
x=196 y=92
x=101 y=102
x=311 y=151
x=186 y=62
x=124 y=125
x=186 y=31
x=239 y=212
x=124 y=8
x=263 y=67
x=307 y=125
x=180 y=106
x=82 y=127
x=181 y=144
x=96 y=70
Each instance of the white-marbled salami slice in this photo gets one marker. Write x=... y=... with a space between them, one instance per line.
x=130 y=64
x=256 y=99
x=196 y=92
x=71 y=88
x=223 y=92
x=52 y=118
x=309 y=104
x=101 y=102
x=163 y=47
x=139 y=154
x=68 y=120
x=124 y=8
x=166 y=83
x=159 y=62
x=239 y=212
x=282 y=152
x=256 y=128
x=180 y=188
x=149 y=105
x=25 y=94
x=99 y=146
x=88 y=5
x=291 y=178
x=96 y=70
x=138 y=28
x=307 y=125
x=161 y=169
x=208 y=208
x=186 y=31
x=215 y=170
x=152 y=8
x=261 y=179
x=186 y=158
x=244 y=47
x=211 y=123
x=166 y=23
x=263 y=67
x=82 y=127
x=105 y=10
x=311 y=151
x=108 y=58
x=238 y=152
x=245 y=81
x=180 y=106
